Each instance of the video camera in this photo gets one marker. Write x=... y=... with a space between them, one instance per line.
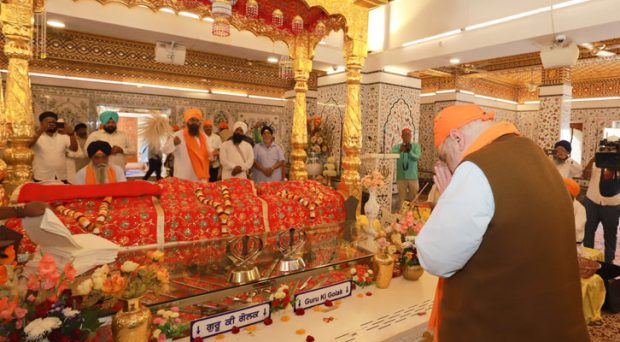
x=608 y=160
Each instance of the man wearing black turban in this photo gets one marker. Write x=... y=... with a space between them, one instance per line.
x=567 y=167
x=99 y=171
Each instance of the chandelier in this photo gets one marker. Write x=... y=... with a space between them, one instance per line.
x=285 y=68
x=221 y=11
x=251 y=9
x=298 y=24
x=277 y=18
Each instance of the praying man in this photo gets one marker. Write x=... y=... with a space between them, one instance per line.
x=99 y=170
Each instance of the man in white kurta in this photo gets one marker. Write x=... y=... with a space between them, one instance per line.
x=177 y=144
x=120 y=142
x=215 y=143
x=50 y=146
x=236 y=155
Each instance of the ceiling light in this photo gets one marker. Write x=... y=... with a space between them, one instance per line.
x=531 y=102
x=322 y=42
x=427 y=94
x=437 y=36
x=466 y=92
x=218 y=92
x=446 y=91
x=167 y=10
x=56 y=23
x=595 y=99
x=273 y=60
x=455 y=61
x=508 y=18
x=265 y=98
x=97 y=80
x=495 y=99
x=568 y=3
x=189 y=15
x=394 y=70
x=208 y=19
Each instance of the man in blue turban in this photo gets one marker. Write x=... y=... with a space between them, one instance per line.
x=121 y=143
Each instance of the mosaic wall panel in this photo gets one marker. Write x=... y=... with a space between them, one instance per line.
x=399 y=107
x=594 y=120
x=370 y=118
x=526 y=123
x=80 y=105
x=331 y=107
x=429 y=152
x=553 y=116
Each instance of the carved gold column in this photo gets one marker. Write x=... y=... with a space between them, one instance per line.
x=17 y=19
x=355 y=54
x=301 y=53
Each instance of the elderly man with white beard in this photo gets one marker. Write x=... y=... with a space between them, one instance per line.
x=99 y=170
x=236 y=154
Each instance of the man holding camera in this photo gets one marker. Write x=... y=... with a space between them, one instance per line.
x=602 y=199
x=50 y=145
x=407 y=167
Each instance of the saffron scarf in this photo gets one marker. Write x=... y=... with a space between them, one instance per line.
x=90 y=174
x=198 y=155
x=487 y=137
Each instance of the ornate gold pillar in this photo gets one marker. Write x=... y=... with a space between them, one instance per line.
x=301 y=51
x=17 y=20
x=355 y=55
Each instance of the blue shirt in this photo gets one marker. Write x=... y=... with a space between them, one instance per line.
x=267 y=156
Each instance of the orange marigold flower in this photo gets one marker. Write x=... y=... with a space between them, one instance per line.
x=114 y=284
x=10 y=253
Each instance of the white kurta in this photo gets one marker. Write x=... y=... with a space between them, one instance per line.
x=569 y=168
x=117 y=138
x=454 y=230
x=230 y=158
x=215 y=143
x=580 y=219
x=50 y=161
x=182 y=163
x=80 y=177
x=76 y=160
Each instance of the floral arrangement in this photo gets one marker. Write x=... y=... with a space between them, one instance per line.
x=37 y=306
x=409 y=224
x=362 y=275
x=281 y=298
x=167 y=324
x=318 y=137
x=373 y=180
x=409 y=256
x=131 y=281
x=88 y=225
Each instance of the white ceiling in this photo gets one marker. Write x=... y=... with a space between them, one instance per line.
x=403 y=20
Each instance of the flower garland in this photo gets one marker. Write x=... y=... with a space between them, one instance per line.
x=311 y=205
x=95 y=227
x=362 y=275
x=223 y=210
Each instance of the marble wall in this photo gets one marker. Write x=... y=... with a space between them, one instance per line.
x=594 y=120
x=82 y=105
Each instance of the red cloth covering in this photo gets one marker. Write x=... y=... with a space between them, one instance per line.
x=285 y=213
x=50 y=193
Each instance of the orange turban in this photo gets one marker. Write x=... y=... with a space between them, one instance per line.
x=208 y=123
x=572 y=187
x=457 y=116
x=223 y=125
x=192 y=113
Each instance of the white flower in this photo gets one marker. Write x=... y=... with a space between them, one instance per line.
x=174 y=314
x=280 y=295
x=129 y=266
x=156 y=333
x=41 y=326
x=161 y=312
x=69 y=312
x=98 y=282
x=370 y=272
x=353 y=271
x=272 y=297
x=355 y=278
x=84 y=288
x=102 y=271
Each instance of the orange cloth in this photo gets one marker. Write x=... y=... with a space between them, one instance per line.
x=572 y=187
x=199 y=155
x=176 y=128
x=90 y=175
x=192 y=113
x=455 y=117
x=223 y=125
x=208 y=122
x=487 y=137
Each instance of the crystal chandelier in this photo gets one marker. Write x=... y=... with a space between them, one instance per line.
x=298 y=24
x=277 y=18
x=251 y=9
x=221 y=11
x=320 y=30
x=285 y=70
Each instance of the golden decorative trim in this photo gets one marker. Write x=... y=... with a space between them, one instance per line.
x=556 y=76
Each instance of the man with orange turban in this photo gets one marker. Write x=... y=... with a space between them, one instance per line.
x=190 y=149
x=504 y=249
x=215 y=142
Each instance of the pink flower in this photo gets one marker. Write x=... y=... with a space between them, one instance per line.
x=47 y=265
x=6 y=309
x=19 y=324
x=417 y=228
x=33 y=283
x=383 y=242
x=31 y=298
x=20 y=313
x=174 y=309
x=177 y=320
x=51 y=280
x=158 y=320
x=161 y=338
